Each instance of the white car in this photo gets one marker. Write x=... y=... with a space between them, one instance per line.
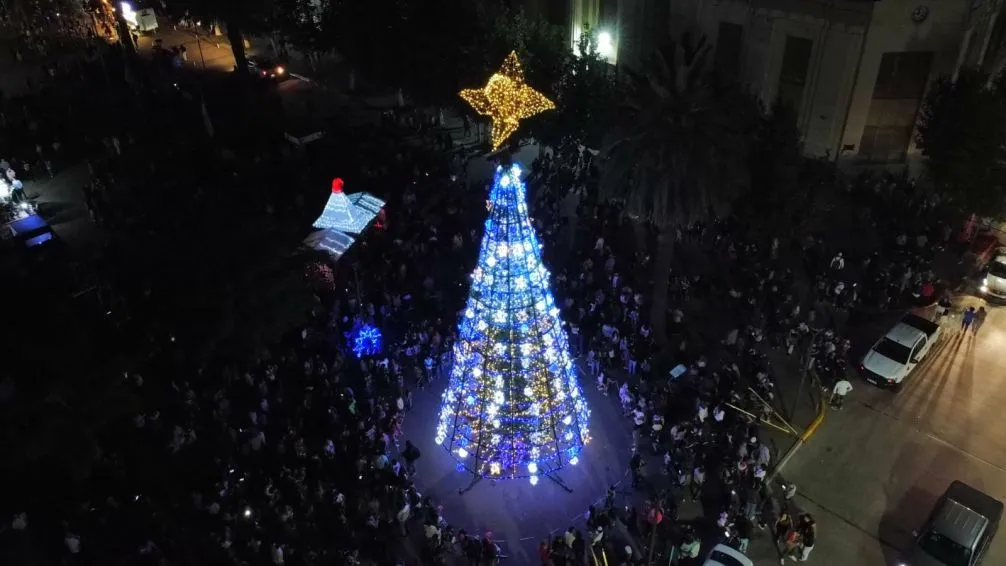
x=900 y=351
x=723 y=555
x=994 y=284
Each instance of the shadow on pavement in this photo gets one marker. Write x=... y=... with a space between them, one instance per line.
x=898 y=522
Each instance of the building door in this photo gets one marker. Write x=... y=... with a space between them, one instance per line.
x=897 y=94
x=793 y=75
x=729 y=41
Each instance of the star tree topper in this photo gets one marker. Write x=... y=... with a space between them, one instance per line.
x=507 y=99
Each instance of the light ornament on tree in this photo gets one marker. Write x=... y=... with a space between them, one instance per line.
x=513 y=406
x=507 y=100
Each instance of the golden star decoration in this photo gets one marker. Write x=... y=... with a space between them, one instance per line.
x=507 y=100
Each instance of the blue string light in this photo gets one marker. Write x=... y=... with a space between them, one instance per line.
x=513 y=406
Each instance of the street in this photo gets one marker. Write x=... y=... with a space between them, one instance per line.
x=873 y=471
x=304 y=94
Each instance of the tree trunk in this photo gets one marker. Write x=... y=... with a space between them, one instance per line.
x=237 y=40
x=661 y=283
x=641 y=230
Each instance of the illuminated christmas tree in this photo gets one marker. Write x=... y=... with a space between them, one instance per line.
x=513 y=407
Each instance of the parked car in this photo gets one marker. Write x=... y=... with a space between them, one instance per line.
x=900 y=351
x=958 y=531
x=267 y=69
x=994 y=283
x=723 y=555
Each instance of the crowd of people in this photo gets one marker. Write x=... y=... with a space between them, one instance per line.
x=297 y=456
x=791 y=296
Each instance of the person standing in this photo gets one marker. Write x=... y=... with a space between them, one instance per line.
x=808 y=536
x=743 y=528
x=791 y=546
x=410 y=455
x=838 y=393
x=698 y=481
x=636 y=465
x=979 y=320
x=690 y=548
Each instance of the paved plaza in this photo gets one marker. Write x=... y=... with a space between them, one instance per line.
x=518 y=514
x=872 y=473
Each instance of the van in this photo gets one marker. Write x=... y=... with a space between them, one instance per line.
x=994 y=284
x=958 y=531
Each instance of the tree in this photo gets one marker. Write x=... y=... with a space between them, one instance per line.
x=962 y=135
x=61 y=396
x=226 y=300
x=678 y=151
x=513 y=407
x=585 y=100
x=776 y=160
x=305 y=24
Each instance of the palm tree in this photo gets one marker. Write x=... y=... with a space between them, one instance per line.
x=678 y=151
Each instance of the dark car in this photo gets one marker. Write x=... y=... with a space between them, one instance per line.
x=267 y=69
x=958 y=531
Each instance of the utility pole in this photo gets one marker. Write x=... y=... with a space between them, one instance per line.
x=807 y=364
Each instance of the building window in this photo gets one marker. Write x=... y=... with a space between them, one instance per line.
x=608 y=14
x=793 y=75
x=728 y=49
x=897 y=94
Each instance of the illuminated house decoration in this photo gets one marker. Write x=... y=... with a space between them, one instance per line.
x=507 y=100
x=343 y=217
x=348 y=213
x=365 y=340
x=332 y=242
x=513 y=406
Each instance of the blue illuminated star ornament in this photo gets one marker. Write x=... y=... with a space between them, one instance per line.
x=365 y=340
x=513 y=407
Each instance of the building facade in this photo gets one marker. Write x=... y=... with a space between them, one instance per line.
x=856 y=71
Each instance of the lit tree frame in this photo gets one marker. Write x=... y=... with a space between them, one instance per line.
x=513 y=407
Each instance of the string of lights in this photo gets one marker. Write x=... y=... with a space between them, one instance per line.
x=507 y=99
x=513 y=406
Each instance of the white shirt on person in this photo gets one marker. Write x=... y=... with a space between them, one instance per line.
x=842 y=388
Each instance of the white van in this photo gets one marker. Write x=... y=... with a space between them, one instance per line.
x=994 y=284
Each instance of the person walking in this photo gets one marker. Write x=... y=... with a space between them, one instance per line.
x=968 y=318
x=979 y=320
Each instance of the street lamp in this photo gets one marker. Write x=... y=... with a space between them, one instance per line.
x=605 y=45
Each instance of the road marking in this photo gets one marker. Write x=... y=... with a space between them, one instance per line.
x=959 y=450
x=931 y=435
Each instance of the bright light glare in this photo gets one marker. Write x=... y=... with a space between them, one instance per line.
x=534 y=480
x=605 y=45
